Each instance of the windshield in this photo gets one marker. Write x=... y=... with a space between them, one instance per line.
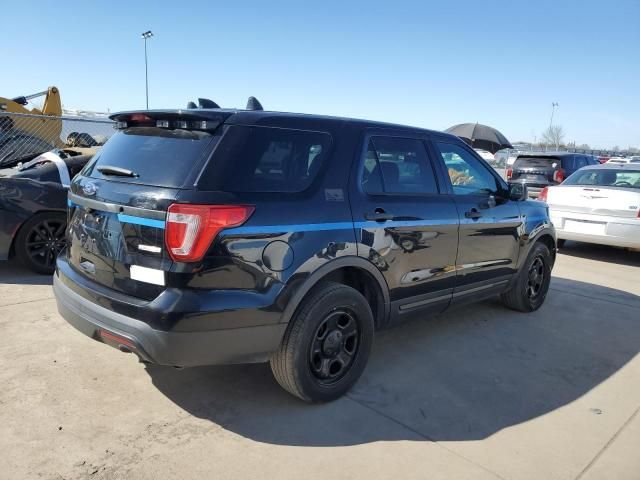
x=605 y=178
x=156 y=156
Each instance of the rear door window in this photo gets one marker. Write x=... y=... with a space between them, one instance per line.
x=397 y=165
x=156 y=156
x=265 y=159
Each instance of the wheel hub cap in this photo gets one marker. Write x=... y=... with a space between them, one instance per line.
x=331 y=345
x=334 y=346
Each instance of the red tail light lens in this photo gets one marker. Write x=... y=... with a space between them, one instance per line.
x=543 y=194
x=509 y=173
x=190 y=229
x=558 y=176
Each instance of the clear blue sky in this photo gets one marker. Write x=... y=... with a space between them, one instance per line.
x=429 y=64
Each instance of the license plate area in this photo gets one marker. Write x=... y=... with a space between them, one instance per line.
x=585 y=226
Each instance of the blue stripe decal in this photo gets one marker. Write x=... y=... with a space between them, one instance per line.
x=147 y=222
x=304 y=227
x=317 y=227
x=406 y=223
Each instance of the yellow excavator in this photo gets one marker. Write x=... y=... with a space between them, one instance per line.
x=46 y=128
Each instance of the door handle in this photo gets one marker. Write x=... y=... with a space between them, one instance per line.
x=379 y=215
x=473 y=214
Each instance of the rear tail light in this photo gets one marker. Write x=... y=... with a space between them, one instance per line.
x=558 y=176
x=509 y=173
x=191 y=228
x=543 y=194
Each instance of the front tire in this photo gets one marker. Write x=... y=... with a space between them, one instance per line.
x=532 y=283
x=327 y=344
x=39 y=241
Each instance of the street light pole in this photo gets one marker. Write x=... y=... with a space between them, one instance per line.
x=146 y=35
x=553 y=108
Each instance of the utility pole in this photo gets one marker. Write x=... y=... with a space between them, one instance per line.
x=146 y=35
x=553 y=108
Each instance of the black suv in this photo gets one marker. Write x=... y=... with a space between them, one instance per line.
x=539 y=170
x=218 y=236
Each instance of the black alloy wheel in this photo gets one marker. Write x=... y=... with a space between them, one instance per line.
x=529 y=289
x=40 y=240
x=536 y=278
x=335 y=345
x=327 y=343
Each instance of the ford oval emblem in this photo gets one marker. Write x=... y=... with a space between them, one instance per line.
x=89 y=188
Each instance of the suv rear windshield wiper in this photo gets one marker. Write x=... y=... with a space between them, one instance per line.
x=120 y=172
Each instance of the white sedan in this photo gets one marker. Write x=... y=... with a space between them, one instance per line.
x=597 y=204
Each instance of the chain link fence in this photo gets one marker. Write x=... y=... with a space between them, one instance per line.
x=23 y=135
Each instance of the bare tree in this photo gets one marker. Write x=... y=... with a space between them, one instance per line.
x=553 y=135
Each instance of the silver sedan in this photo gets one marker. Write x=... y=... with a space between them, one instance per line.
x=597 y=204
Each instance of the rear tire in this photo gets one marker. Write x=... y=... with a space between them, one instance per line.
x=39 y=241
x=327 y=344
x=532 y=283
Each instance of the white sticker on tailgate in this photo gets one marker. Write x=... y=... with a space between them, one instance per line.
x=147 y=275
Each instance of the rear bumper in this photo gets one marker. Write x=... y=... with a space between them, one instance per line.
x=627 y=242
x=612 y=231
x=225 y=346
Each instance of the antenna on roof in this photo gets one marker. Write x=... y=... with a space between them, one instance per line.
x=254 y=104
x=191 y=105
x=206 y=103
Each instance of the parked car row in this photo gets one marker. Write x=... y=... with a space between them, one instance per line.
x=588 y=201
x=540 y=170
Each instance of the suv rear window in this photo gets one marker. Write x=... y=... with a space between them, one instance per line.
x=531 y=161
x=265 y=159
x=157 y=156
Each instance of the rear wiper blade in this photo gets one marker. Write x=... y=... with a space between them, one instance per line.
x=120 y=172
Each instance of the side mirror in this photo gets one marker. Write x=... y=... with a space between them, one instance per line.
x=518 y=192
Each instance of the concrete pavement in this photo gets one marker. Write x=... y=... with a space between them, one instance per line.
x=480 y=392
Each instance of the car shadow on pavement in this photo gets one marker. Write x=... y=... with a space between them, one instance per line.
x=463 y=375
x=602 y=253
x=12 y=272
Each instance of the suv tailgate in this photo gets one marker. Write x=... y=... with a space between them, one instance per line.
x=115 y=244
x=118 y=204
x=535 y=170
